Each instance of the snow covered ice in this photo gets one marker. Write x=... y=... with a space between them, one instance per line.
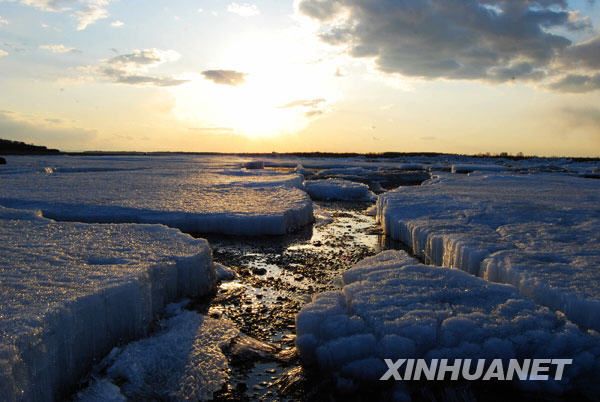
x=338 y=190
x=72 y=291
x=182 y=361
x=201 y=195
x=392 y=307
x=539 y=233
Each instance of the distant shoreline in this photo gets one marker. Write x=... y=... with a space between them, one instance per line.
x=8 y=147
x=382 y=155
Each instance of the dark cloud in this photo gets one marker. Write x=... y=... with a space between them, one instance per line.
x=577 y=83
x=585 y=54
x=225 y=77
x=304 y=103
x=494 y=40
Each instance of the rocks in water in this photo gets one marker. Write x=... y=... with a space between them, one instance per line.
x=259 y=271
x=378 y=180
x=224 y=273
x=247 y=349
x=2 y=161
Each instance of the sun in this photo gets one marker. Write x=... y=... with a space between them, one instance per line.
x=268 y=103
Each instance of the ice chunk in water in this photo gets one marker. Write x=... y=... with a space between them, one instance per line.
x=338 y=190
x=392 y=307
x=539 y=233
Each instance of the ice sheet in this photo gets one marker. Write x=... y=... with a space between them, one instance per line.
x=201 y=195
x=538 y=232
x=72 y=291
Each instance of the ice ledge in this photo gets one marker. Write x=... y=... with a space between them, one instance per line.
x=529 y=231
x=278 y=222
x=72 y=291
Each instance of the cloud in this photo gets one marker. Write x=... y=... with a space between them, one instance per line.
x=577 y=83
x=60 y=49
x=86 y=12
x=3 y=53
x=586 y=54
x=117 y=24
x=244 y=9
x=313 y=106
x=132 y=68
x=492 y=40
x=92 y=11
x=3 y=21
x=144 y=58
x=42 y=130
x=143 y=79
x=48 y=5
x=304 y=103
x=225 y=77
x=313 y=113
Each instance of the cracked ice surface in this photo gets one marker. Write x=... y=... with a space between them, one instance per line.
x=392 y=307
x=182 y=361
x=202 y=194
x=539 y=233
x=72 y=291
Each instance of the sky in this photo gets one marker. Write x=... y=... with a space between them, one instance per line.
x=459 y=76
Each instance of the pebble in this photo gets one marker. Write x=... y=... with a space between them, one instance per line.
x=259 y=271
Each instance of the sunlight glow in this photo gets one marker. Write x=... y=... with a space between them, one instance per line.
x=277 y=76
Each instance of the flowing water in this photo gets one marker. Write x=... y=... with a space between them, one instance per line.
x=275 y=277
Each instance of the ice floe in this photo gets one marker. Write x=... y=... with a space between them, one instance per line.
x=539 y=233
x=338 y=190
x=72 y=291
x=199 y=195
x=392 y=307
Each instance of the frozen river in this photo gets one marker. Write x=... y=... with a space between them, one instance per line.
x=277 y=293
